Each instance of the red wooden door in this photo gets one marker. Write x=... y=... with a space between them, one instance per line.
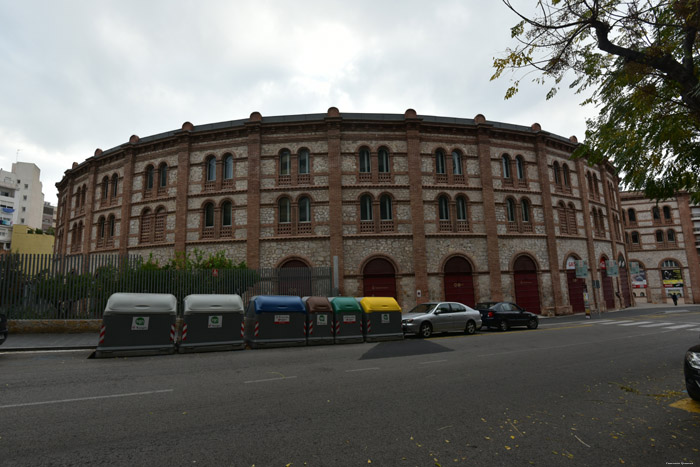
x=459 y=282
x=527 y=290
x=379 y=279
x=608 y=293
x=575 y=291
x=625 y=288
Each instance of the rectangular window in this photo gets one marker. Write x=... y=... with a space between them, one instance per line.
x=304 y=162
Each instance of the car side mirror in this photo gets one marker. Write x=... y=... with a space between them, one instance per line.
x=437 y=312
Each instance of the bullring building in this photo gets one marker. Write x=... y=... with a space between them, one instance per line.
x=412 y=206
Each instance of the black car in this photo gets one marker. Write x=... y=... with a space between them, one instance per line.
x=504 y=315
x=3 y=328
x=691 y=369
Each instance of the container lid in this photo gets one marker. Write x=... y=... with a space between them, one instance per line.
x=379 y=304
x=141 y=303
x=211 y=303
x=277 y=304
x=345 y=304
x=317 y=304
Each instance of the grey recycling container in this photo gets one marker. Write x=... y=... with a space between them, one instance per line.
x=382 y=319
x=275 y=321
x=348 y=320
x=212 y=322
x=319 y=320
x=138 y=324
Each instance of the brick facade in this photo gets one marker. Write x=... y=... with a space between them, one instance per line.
x=376 y=191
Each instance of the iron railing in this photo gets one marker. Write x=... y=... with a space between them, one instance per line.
x=78 y=286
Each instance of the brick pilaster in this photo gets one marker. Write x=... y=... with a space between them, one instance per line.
x=483 y=142
x=691 y=252
x=335 y=191
x=552 y=250
x=588 y=229
x=253 y=126
x=183 y=184
x=415 y=180
x=127 y=189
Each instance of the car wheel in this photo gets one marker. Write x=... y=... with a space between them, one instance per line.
x=471 y=327
x=503 y=325
x=426 y=330
x=533 y=323
x=693 y=389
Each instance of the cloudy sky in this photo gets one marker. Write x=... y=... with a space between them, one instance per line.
x=76 y=75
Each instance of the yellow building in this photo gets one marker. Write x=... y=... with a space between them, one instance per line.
x=35 y=243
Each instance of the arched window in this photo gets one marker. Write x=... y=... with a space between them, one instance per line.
x=439 y=162
x=366 y=208
x=383 y=160
x=557 y=174
x=525 y=207
x=632 y=215
x=589 y=179
x=595 y=184
x=149 y=177
x=211 y=169
x=520 y=167
x=285 y=162
x=285 y=211
x=510 y=210
x=365 y=161
x=656 y=214
x=111 y=224
x=101 y=230
x=208 y=215
x=659 y=236
x=671 y=236
x=461 y=207
x=159 y=225
x=227 y=214
x=443 y=208
x=228 y=167
x=304 y=161
x=385 y=210
x=667 y=213
x=563 y=218
x=146 y=220
x=105 y=187
x=505 y=162
x=456 y=163
x=163 y=175
x=115 y=185
x=567 y=176
x=635 y=238
x=304 y=209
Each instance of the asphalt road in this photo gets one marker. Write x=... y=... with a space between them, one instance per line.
x=571 y=393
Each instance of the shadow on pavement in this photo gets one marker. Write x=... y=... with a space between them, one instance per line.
x=404 y=348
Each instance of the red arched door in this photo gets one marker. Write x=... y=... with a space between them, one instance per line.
x=295 y=279
x=459 y=282
x=527 y=290
x=379 y=279
x=607 y=284
x=624 y=283
x=576 y=287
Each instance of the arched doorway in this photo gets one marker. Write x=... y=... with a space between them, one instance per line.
x=672 y=280
x=576 y=286
x=459 y=282
x=608 y=291
x=295 y=278
x=379 y=279
x=624 y=282
x=527 y=289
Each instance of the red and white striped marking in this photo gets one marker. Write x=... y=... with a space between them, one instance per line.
x=242 y=328
x=369 y=326
x=102 y=334
x=311 y=328
x=337 y=328
x=184 y=332
x=257 y=329
x=172 y=333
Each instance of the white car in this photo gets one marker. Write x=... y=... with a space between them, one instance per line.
x=427 y=318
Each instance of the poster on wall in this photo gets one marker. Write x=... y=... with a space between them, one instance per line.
x=672 y=278
x=639 y=279
x=634 y=267
x=581 y=269
x=611 y=268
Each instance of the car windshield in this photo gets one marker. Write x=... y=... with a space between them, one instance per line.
x=484 y=305
x=422 y=308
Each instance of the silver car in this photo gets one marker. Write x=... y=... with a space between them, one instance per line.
x=427 y=318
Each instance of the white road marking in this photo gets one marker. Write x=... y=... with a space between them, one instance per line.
x=655 y=325
x=636 y=323
x=695 y=329
x=433 y=361
x=617 y=322
x=268 y=379
x=361 y=369
x=64 y=401
x=681 y=326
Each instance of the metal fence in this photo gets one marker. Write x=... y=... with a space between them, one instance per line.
x=78 y=286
